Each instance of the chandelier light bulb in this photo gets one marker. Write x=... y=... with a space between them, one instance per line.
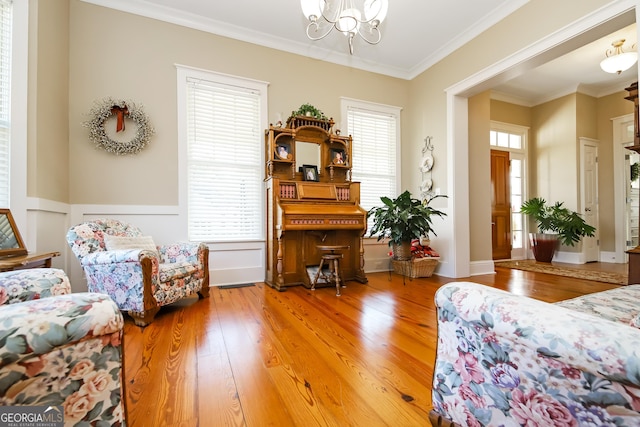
x=618 y=61
x=312 y=9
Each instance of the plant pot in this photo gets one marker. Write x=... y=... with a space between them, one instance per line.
x=543 y=246
x=401 y=251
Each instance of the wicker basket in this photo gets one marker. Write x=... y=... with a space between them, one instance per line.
x=417 y=267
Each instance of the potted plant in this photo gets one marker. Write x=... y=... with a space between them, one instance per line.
x=309 y=111
x=555 y=224
x=402 y=220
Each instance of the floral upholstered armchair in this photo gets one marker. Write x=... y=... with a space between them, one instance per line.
x=138 y=275
x=60 y=349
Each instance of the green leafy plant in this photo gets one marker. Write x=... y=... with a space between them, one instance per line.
x=635 y=171
x=311 y=110
x=556 y=219
x=403 y=219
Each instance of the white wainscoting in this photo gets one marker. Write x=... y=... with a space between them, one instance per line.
x=376 y=255
x=229 y=263
x=46 y=230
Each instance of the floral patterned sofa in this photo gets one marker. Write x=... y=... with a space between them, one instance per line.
x=138 y=275
x=509 y=360
x=60 y=349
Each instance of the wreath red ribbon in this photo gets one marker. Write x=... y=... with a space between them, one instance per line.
x=120 y=113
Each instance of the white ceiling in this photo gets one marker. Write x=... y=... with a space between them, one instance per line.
x=415 y=35
x=578 y=70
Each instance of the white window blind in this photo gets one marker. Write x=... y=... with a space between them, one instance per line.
x=5 y=99
x=375 y=148
x=224 y=162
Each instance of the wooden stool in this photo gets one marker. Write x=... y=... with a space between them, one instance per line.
x=333 y=261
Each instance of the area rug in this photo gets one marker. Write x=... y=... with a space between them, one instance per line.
x=598 y=276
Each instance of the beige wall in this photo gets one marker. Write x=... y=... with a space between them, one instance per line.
x=48 y=130
x=608 y=107
x=554 y=143
x=480 y=175
x=127 y=56
x=586 y=116
x=507 y=112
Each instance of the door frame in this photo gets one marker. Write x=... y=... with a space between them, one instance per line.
x=523 y=156
x=522 y=253
x=620 y=141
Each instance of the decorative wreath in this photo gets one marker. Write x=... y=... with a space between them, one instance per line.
x=121 y=109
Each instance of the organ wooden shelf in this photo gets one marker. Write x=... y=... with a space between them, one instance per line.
x=284 y=149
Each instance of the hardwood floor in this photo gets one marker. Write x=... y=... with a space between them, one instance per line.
x=254 y=356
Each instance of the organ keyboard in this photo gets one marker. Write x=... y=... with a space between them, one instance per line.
x=299 y=224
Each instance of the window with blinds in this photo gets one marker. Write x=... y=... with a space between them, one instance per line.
x=376 y=134
x=5 y=99
x=224 y=160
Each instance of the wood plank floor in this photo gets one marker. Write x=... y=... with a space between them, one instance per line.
x=254 y=356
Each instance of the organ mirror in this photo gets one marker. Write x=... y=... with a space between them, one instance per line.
x=308 y=153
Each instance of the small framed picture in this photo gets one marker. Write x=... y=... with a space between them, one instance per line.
x=338 y=157
x=283 y=151
x=10 y=240
x=309 y=172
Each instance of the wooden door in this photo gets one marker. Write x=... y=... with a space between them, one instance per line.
x=500 y=205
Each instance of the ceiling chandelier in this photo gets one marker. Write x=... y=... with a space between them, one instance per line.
x=618 y=61
x=344 y=16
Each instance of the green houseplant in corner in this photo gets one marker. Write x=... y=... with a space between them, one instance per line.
x=555 y=224
x=401 y=220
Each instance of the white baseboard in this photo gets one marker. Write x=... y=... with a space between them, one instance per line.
x=477 y=268
x=610 y=257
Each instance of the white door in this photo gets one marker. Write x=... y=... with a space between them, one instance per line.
x=589 y=196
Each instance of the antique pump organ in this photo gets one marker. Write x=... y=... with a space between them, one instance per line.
x=311 y=202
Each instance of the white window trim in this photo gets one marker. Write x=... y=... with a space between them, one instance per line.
x=523 y=131
x=350 y=103
x=19 y=98
x=184 y=72
x=346 y=103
